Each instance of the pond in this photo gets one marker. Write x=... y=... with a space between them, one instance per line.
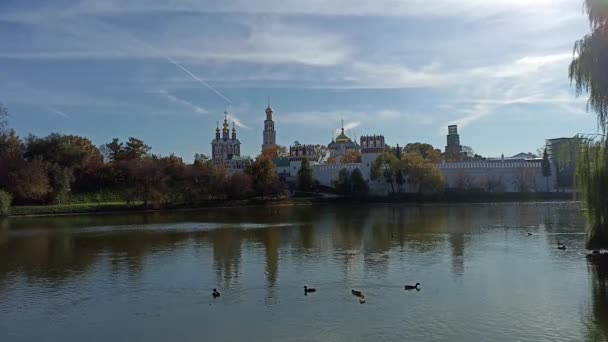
x=149 y=276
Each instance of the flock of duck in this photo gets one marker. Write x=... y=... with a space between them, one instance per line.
x=355 y=293
x=361 y=295
x=559 y=244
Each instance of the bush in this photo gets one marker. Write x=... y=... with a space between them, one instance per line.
x=5 y=202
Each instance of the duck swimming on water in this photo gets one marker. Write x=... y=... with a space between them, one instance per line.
x=215 y=294
x=413 y=287
x=560 y=245
x=357 y=293
x=309 y=289
x=362 y=299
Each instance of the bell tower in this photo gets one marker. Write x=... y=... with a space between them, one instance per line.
x=270 y=135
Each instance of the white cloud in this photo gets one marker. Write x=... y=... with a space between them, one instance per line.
x=237 y=122
x=400 y=8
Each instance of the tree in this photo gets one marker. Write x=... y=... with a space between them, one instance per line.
x=31 y=180
x=305 y=179
x=423 y=173
x=331 y=161
x=136 y=149
x=264 y=177
x=385 y=167
x=114 y=150
x=359 y=186
x=351 y=157
x=589 y=73
x=66 y=155
x=5 y=202
x=343 y=183
x=426 y=151
x=468 y=151
x=589 y=67
x=320 y=153
x=276 y=151
x=546 y=166
x=3 y=117
x=238 y=186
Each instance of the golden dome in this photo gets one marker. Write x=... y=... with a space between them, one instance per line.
x=226 y=125
x=342 y=138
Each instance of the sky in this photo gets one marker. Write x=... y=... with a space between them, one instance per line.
x=166 y=70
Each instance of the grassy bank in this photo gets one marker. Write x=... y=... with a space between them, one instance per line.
x=86 y=208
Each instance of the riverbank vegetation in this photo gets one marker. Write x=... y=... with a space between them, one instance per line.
x=67 y=169
x=589 y=73
x=414 y=166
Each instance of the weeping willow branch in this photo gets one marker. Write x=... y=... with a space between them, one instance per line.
x=592 y=183
x=589 y=73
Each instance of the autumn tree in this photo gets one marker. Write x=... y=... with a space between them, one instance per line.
x=351 y=157
x=426 y=151
x=422 y=173
x=264 y=178
x=276 y=151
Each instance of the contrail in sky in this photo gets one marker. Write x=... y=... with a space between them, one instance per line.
x=197 y=78
x=58 y=112
x=160 y=54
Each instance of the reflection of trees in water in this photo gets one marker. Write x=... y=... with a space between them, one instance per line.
x=226 y=244
x=270 y=238
x=60 y=252
x=598 y=322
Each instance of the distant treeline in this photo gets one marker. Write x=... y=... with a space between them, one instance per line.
x=59 y=169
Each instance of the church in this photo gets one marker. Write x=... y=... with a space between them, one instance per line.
x=226 y=151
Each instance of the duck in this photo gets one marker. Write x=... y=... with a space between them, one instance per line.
x=413 y=287
x=529 y=234
x=560 y=245
x=309 y=289
x=362 y=299
x=357 y=293
x=215 y=294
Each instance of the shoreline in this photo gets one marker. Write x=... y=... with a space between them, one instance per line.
x=122 y=208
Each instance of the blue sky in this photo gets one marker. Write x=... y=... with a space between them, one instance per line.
x=402 y=68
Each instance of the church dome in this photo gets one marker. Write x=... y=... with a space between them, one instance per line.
x=268 y=110
x=342 y=138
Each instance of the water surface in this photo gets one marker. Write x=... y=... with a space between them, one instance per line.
x=149 y=276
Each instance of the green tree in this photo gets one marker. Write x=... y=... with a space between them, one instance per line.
x=359 y=186
x=114 y=150
x=385 y=167
x=546 y=166
x=589 y=73
x=5 y=202
x=589 y=67
x=3 y=118
x=343 y=184
x=136 y=149
x=305 y=179
x=67 y=156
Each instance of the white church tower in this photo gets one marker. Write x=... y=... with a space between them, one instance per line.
x=270 y=135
